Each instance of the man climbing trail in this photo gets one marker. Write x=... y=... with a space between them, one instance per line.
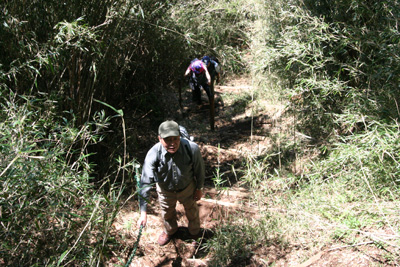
x=198 y=77
x=213 y=68
x=176 y=166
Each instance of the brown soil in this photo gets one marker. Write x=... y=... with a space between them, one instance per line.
x=236 y=135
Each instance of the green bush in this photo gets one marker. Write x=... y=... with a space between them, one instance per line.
x=215 y=28
x=336 y=58
x=131 y=55
x=50 y=211
x=369 y=163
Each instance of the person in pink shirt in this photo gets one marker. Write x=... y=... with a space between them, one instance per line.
x=199 y=77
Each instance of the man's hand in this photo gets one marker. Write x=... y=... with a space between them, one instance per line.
x=187 y=72
x=142 y=219
x=197 y=194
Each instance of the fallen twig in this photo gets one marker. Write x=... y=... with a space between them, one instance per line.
x=313 y=259
x=354 y=245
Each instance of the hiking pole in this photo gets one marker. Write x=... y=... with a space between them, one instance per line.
x=141 y=226
x=134 y=247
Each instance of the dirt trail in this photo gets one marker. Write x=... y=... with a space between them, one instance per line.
x=223 y=148
x=237 y=134
x=214 y=209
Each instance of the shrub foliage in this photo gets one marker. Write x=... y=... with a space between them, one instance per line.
x=339 y=61
x=61 y=175
x=335 y=61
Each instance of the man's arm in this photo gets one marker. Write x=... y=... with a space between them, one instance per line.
x=208 y=76
x=148 y=174
x=143 y=196
x=198 y=170
x=142 y=219
x=187 y=71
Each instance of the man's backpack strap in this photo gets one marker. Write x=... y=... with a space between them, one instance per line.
x=188 y=148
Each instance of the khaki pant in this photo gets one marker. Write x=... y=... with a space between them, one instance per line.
x=168 y=201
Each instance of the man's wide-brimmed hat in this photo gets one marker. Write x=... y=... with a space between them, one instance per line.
x=168 y=128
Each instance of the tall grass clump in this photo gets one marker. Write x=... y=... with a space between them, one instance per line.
x=334 y=59
x=235 y=241
x=335 y=65
x=131 y=55
x=51 y=214
x=216 y=28
x=368 y=164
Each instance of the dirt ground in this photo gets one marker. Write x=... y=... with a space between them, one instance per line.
x=236 y=134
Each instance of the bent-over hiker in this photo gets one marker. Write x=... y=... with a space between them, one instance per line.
x=176 y=166
x=213 y=67
x=198 y=77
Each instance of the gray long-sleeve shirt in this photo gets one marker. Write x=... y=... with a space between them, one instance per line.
x=173 y=172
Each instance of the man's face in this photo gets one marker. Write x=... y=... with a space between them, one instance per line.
x=171 y=143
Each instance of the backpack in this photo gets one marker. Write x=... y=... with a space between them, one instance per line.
x=217 y=68
x=184 y=133
x=215 y=59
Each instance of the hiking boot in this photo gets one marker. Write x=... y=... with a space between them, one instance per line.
x=163 y=239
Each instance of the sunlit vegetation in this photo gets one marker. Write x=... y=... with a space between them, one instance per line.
x=77 y=80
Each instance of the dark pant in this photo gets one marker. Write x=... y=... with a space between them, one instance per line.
x=196 y=91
